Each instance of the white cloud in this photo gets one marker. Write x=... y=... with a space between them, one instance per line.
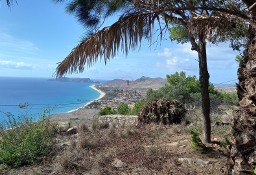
x=165 y=53
x=15 y=65
x=178 y=58
x=172 y=62
x=12 y=47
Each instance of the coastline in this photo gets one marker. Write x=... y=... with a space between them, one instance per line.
x=102 y=94
x=80 y=115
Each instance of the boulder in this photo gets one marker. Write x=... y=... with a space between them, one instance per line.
x=118 y=164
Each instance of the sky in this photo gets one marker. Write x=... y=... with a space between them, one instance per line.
x=36 y=35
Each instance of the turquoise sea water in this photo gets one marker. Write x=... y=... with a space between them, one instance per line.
x=31 y=96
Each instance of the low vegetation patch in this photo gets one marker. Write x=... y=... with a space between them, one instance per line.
x=24 y=141
x=196 y=142
x=106 y=111
x=123 y=109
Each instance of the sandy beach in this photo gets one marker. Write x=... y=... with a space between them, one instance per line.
x=102 y=94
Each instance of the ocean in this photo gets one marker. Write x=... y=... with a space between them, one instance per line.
x=30 y=97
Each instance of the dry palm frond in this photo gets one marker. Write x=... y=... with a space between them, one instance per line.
x=215 y=28
x=125 y=34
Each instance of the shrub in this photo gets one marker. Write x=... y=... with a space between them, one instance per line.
x=106 y=111
x=196 y=142
x=185 y=89
x=137 y=107
x=123 y=109
x=162 y=110
x=229 y=98
x=25 y=141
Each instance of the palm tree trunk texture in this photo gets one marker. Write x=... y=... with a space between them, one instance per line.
x=204 y=85
x=244 y=124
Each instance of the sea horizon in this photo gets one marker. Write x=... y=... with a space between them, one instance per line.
x=31 y=97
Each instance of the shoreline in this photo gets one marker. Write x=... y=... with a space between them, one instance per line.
x=102 y=94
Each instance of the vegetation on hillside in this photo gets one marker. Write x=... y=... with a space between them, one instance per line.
x=186 y=89
x=25 y=141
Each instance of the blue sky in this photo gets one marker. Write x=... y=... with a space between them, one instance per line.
x=36 y=35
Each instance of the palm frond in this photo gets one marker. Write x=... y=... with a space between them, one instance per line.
x=124 y=35
x=216 y=27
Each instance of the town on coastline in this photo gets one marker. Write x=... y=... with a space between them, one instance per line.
x=120 y=91
x=124 y=91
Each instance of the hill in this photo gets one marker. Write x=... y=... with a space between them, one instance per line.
x=141 y=83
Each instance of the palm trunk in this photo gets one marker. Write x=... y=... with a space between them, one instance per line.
x=204 y=85
x=244 y=125
x=200 y=47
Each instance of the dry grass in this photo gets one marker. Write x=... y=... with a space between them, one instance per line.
x=83 y=128
x=149 y=149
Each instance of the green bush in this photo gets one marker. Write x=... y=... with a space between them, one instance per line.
x=195 y=141
x=106 y=111
x=137 y=107
x=123 y=109
x=24 y=141
x=229 y=98
x=185 y=89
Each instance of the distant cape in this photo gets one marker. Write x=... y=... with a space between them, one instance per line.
x=78 y=80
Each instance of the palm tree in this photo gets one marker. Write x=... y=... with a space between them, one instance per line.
x=136 y=23
x=182 y=17
x=244 y=125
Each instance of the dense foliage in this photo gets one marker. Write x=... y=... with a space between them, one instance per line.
x=25 y=141
x=186 y=89
x=123 y=109
x=106 y=111
x=229 y=98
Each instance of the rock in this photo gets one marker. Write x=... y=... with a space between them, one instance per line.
x=3 y=168
x=118 y=164
x=64 y=144
x=71 y=131
x=194 y=161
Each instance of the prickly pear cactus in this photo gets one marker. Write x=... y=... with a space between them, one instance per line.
x=162 y=111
